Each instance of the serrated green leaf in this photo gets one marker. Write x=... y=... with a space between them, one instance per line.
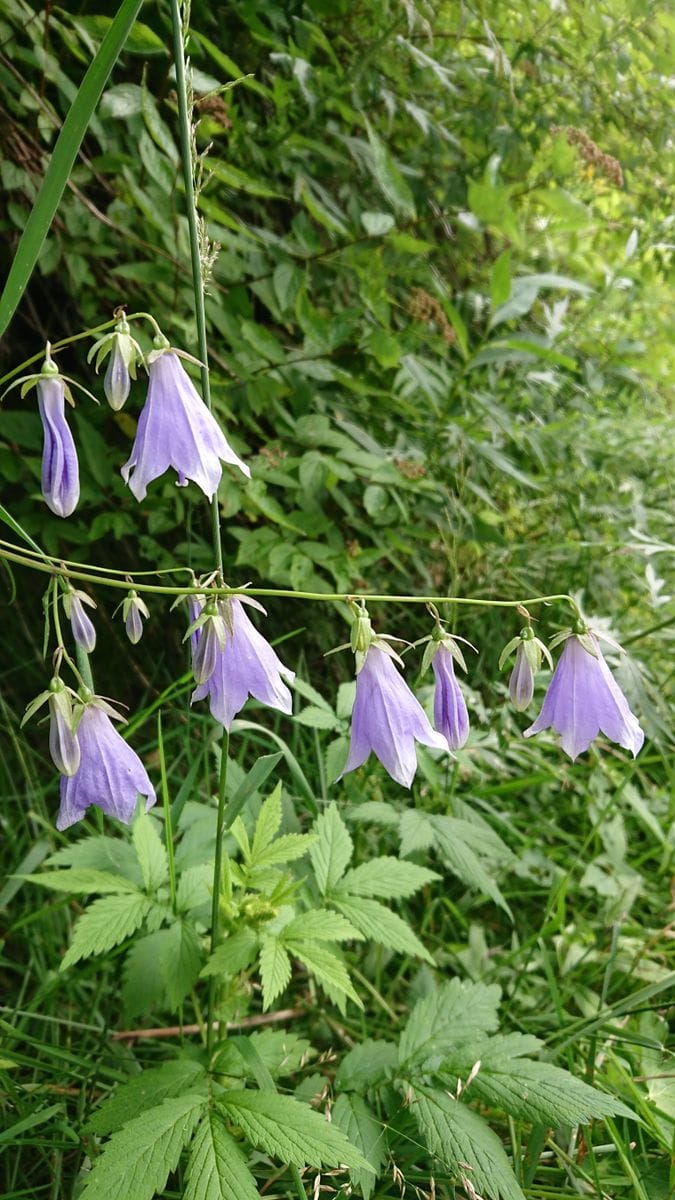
x=145 y=1091
x=267 y=825
x=275 y=968
x=233 y=955
x=179 y=961
x=317 y=718
x=456 y=1012
x=138 y=1160
x=358 y=1122
x=291 y=1131
x=366 y=1065
x=143 y=986
x=217 y=1168
x=327 y=968
x=464 y=1144
x=105 y=924
x=83 y=881
x=461 y=859
x=99 y=853
x=150 y=851
x=382 y=925
x=320 y=925
x=285 y=849
x=389 y=878
x=331 y=853
x=282 y=1053
x=194 y=887
x=416 y=831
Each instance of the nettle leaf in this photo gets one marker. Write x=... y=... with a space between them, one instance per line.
x=105 y=924
x=179 y=961
x=217 y=1168
x=456 y=1012
x=528 y=1089
x=384 y=926
x=389 y=878
x=465 y=1145
x=321 y=925
x=194 y=887
x=143 y=987
x=285 y=849
x=84 y=880
x=327 y=968
x=267 y=825
x=291 y=1131
x=367 y=1065
x=332 y=852
x=233 y=955
x=138 y=1160
x=275 y=969
x=100 y=854
x=145 y=1091
x=151 y=853
x=352 y=1115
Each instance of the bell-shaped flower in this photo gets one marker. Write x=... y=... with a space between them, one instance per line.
x=451 y=717
x=60 y=477
x=245 y=666
x=83 y=629
x=64 y=747
x=134 y=611
x=210 y=624
x=584 y=699
x=110 y=774
x=176 y=429
x=386 y=717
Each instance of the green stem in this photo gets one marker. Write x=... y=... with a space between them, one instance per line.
x=76 y=337
x=184 y=119
x=217 y=884
x=56 y=567
x=168 y=828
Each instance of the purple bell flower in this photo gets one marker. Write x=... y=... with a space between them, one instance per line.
x=83 y=629
x=388 y=719
x=110 y=774
x=60 y=479
x=134 y=611
x=176 y=429
x=584 y=699
x=450 y=712
x=64 y=746
x=117 y=380
x=246 y=666
x=521 y=680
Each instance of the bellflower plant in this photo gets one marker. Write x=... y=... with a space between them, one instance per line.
x=110 y=774
x=134 y=611
x=245 y=666
x=176 y=429
x=451 y=717
x=64 y=747
x=529 y=650
x=83 y=629
x=387 y=719
x=60 y=471
x=210 y=624
x=584 y=699
x=124 y=354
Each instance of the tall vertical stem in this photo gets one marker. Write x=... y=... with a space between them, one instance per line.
x=185 y=118
x=217 y=882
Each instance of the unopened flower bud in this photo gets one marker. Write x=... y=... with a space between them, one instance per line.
x=83 y=629
x=521 y=683
x=124 y=353
x=134 y=610
x=213 y=634
x=63 y=744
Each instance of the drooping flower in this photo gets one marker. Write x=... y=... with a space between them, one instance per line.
x=245 y=666
x=134 y=610
x=529 y=651
x=387 y=719
x=60 y=478
x=584 y=699
x=451 y=717
x=110 y=774
x=82 y=627
x=64 y=747
x=211 y=641
x=124 y=354
x=176 y=429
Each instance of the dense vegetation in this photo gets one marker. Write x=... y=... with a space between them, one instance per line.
x=439 y=324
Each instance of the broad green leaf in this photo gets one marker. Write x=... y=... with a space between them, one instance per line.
x=284 y=849
x=386 y=877
x=382 y=925
x=388 y=177
x=84 y=881
x=291 y=1131
x=233 y=955
x=275 y=968
x=143 y=985
x=100 y=853
x=139 y=1158
x=367 y=1065
x=65 y=151
x=465 y=1145
x=216 y=1167
x=146 y=1090
x=105 y=924
x=179 y=961
x=317 y=718
x=358 y=1122
x=267 y=825
x=151 y=853
x=330 y=972
x=456 y=1012
x=320 y=925
x=331 y=853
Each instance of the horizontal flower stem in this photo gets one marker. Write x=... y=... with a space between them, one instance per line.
x=283 y=593
x=74 y=337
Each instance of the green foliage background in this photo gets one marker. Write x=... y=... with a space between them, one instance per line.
x=440 y=328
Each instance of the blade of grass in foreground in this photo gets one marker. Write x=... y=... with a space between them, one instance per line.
x=67 y=145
